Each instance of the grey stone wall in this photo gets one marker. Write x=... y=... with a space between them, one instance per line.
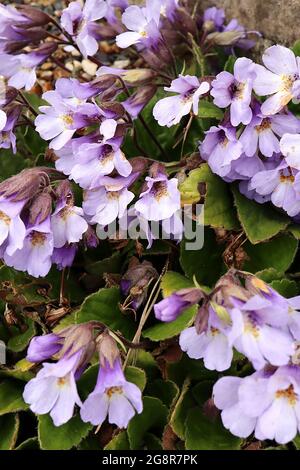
x=277 y=20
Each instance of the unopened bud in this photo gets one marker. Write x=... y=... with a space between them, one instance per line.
x=227 y=38
x=40 y=207
x=138 y=76
x=90 y=238
x=76 y=338
x=107 y=349
x=36 y=16
x=139 y=100
x=64 y=190
x=201 y=320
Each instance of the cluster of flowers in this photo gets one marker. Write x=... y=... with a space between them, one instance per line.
x=245 y=314
x=39 y=223
x=257 y=143
x=54 y=390
x=86 y=122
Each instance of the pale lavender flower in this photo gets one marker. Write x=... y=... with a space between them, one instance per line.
x=112 y=7
x=3 y=119
x=226 y=398
x=143 y=26
x=279 y=78
x=35 y=254
x=212 y=345
x=113 y=396
x=67 y=224
x=7 y=137
x=213 y=19
x=266 y=402
x=21 y=69
x=258 y=337
x=220 y=148
x=62 y=118
x=95 y=160
x=12 y=228
x=235 y=91
x=244 y=168
x=67 y=155
x=290 y=148
x=108 y=202
x=161 y=199
x=172 y=306
x=262 y=132
x=43 y=347
x=282 y=185
x=79 y=22
x=169 y=111
x=54 y=389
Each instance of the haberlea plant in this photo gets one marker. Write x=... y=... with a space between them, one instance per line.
x=155 y=124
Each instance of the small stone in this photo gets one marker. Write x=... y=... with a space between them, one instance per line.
x=69 y=66
x=121 y=64
x=89 y=67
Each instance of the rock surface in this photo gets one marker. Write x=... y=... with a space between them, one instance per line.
x=277 y=20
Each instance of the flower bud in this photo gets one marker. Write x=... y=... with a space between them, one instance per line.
x=227 y=38
x=40 y=207
x=36 y=16
x=64 y=190
x=78 y=337
x=134 y=283
x=139 y=100
x=25 y=185
x=107 y=349
x=201 y=320
x=138 y=76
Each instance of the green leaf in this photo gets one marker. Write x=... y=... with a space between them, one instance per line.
x=20 y=371
x=20 y=341
x=145 y=361
x=136 y=376
x=218 y=207
x=203 y=433
x=166 y=390
x=152 y=442
x=11 y=397
x=229 y=65
x=62 y=437
x=295 y=230
x=209 y=110
x=296 y=441
x=103 y=307
x=259 y=221
x=269 y=275
x=277 y=253
x=119 y=442
x=153 y=417
x=296 y=47
x=9 y=428
x=206 y=263
x=30 y=444
x=193 y=369
x=172 y=282
x=285 y=287
x=106 y=265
